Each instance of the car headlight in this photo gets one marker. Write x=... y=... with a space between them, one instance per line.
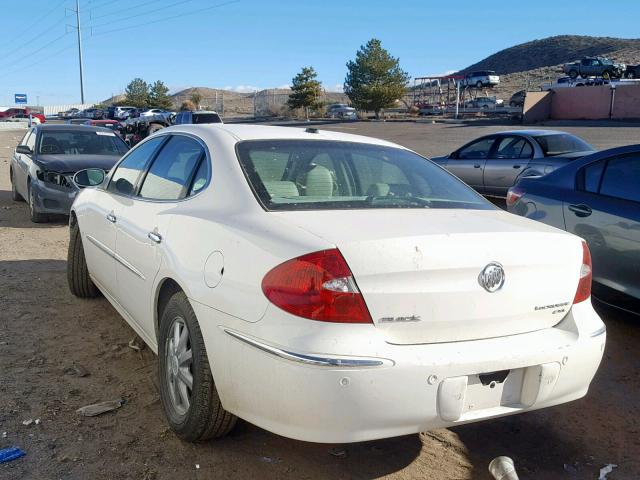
x=55 y=178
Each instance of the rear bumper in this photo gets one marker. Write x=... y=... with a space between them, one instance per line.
x=53 y=199
x=404 y=389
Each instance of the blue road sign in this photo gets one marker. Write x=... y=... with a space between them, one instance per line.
x=20 y=97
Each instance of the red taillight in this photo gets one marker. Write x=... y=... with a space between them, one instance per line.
x=513 y=195
x=584 y=285
x=318 y=286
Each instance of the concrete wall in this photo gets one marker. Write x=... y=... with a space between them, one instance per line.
x=626 y=102
x=583 y=103
x=537 y=107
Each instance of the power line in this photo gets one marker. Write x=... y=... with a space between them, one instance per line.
x=28 y=42
x=165 y=18
x=35 y=51
x=91 y=18
x=38 y=62
x=141 y=14
x=28 y=29
x=105 y=4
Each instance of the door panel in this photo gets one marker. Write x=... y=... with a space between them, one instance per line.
x=468 y=163
x=97 y=225
x=610 y=225
x=140 y=257
x=509 y=158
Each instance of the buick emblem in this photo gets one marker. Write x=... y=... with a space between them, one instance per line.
x=491 y=277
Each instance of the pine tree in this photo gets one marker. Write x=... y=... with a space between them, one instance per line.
x=159 y=96
x=374 y=80
x=305 y=90
x=137 y=93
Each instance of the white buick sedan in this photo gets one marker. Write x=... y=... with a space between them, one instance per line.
x=330 y=287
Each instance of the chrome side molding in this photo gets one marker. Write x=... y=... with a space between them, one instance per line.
x=322 y=361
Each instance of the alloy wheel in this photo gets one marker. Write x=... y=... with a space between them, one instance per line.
x=179 y=366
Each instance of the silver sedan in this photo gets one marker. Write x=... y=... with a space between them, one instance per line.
x=493 y=163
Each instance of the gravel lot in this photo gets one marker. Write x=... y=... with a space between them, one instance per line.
x=44 y=331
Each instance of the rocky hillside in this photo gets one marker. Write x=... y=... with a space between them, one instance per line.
x=529 y=64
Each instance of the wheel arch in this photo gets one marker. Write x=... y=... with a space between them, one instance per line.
x=165 y=288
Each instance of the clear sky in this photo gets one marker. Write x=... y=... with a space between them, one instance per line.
x=254 y=44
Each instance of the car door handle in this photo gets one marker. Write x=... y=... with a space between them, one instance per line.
x=111 y=217
x=154 y=237
x=580 y=210
x=516 y=166
x=477 y=166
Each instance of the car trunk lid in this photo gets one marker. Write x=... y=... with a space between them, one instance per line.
x=419 y=270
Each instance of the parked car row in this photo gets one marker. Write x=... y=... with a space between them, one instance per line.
x=20 y=114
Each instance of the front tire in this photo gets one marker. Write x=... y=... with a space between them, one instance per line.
x=15 y=196
x=187 y=389
x=34 y=214
x=78 y=278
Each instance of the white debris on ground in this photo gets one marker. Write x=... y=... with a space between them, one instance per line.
x=607 y=469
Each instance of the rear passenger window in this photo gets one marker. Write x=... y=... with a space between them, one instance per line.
x=621 y=178
x=171 y=173
x=592 y=175
x=124 y=179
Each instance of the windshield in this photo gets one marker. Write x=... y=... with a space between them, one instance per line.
x=206 y=118
x=330 y=175
x=75 y=142
x=561 y=144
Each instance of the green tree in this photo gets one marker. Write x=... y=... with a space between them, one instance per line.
x=196 y=98
x=137 y=93
x=305 y=90
x=159 y=96
x=374 y=80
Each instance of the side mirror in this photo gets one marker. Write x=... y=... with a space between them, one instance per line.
x=453 y=154
x=90 y=177
x=124 y=186
x=24 y=149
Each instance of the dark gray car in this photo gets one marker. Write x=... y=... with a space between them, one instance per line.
x=493 y=163
x=597 y=198
x=43 y=164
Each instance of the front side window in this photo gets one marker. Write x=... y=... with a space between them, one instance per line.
x=621 y=178
x=171 y=174
x=513 y=147
x=330 y=175
x=125 y=178
x=77 y=142
x=31 y=141
x=476 y=150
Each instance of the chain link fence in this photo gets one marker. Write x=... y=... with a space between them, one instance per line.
x=265 y=103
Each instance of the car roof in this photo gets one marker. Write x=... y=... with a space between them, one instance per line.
x=242 y=132
x=534 y=133
x=71 y=126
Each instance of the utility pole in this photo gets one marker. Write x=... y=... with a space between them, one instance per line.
x=80 y=51
x=78 y=28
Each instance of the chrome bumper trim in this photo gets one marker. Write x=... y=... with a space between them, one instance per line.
x=599 y=331
x=322 y=361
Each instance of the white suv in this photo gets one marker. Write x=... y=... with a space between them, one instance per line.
x=484 y=78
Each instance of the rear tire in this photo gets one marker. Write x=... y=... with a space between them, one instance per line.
x=34 y=214
x=195 y=413
x=78 y=278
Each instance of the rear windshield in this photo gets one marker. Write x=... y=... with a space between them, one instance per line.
x=76 y=142
x=330 y=175
x=206 y=118
x=561 y=144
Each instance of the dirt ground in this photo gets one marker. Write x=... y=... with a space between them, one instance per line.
x=45 y=331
